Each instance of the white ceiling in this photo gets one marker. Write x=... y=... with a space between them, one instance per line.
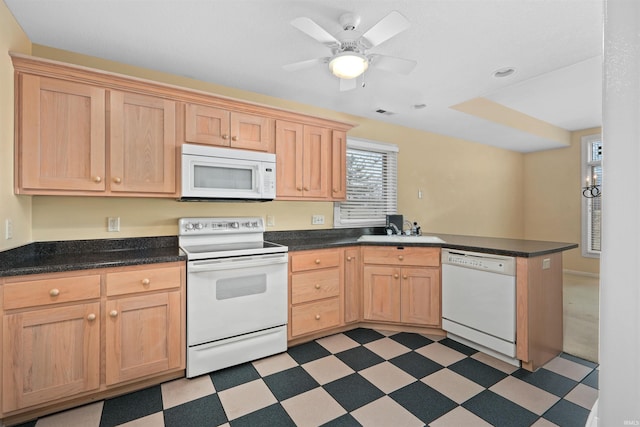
x=555 y=46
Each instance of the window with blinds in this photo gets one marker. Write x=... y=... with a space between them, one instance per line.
x=371 y=184
x=591 y=207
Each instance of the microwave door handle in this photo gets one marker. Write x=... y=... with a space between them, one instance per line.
x=202 y=266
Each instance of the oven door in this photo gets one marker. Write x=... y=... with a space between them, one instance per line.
x=233 y=296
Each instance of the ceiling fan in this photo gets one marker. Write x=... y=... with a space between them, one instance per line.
x=350 y=48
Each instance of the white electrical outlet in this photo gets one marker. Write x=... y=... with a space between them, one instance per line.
x=113 y=223
x=271 y=220
x=8 y=229
x=317 y=219
x=546 y=263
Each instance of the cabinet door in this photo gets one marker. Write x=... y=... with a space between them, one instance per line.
x=339 y=165
x=50 y=354
x=143 y=144
x=420 y=296
x=352 y=285
x=315 y=166
x=381 y=293
x=289 y=137
x=206 y=125
x=61 y=132
x=252 y=132
x=142 y=336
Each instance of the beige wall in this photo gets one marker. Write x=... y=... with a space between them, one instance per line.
x=16 y=209
x=552 y=208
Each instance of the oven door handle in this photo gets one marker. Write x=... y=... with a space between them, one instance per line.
x=218 y=265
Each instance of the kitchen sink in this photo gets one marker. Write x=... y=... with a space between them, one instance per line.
x=382 y=238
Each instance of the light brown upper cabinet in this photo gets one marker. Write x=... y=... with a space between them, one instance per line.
x=303 y=156
x=216 y=126
x=62 y=145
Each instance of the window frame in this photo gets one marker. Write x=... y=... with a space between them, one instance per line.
x=586 y=203
x=378 y=147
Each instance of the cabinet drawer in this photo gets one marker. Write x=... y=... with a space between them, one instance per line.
x=34 y=293
x=315 y=316
x=143 y=280
x=314 y=285
x=389 y=255
x=314 y=260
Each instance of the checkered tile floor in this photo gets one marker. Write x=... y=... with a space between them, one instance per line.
x=360 y=377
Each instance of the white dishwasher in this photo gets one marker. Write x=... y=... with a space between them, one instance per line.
x=479 y=301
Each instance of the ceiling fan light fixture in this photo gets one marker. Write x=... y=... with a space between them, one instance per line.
x=348 y=65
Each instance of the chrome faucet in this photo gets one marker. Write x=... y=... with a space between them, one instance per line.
x=395 y=228
x=411 y=228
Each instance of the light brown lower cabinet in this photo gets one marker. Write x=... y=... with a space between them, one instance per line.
x=74 y=335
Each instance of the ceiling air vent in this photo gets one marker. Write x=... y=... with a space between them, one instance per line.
x=385 y=112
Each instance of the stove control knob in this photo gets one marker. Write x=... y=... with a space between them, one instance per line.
x=254 y=224
x=199 y=226
x=188 y=226
x=235 y=225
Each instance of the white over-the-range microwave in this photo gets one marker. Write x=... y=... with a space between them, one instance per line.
x=214 y=173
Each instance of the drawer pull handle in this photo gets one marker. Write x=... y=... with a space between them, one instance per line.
x=318 y=261
x=54 y=292
x=97 y=179
x=146 y=282
x=400 y=257
x=113 y=313
x=117 y=180
x=317 y=317
x=91 y=317
x=317 y=286
x=395 y=276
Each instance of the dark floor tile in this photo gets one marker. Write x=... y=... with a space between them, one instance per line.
x=131 y=406
x=359 y=358
x=592 y=379
x=290 y=382
x=477 y=372
x=271 y=416
x=416 y=365
x=353 y=391
x=413 y=341
x=206 y=411
x=307 y=352
x=233 y=376
x=499 y=411
x=547 y=380
x=567 y=414
x=584 y=362
x=363 y=335
x=422 y=401
x=458 y=346
x=346 y=420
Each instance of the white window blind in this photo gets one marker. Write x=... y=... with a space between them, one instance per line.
x=371 y=184
x=591 y=207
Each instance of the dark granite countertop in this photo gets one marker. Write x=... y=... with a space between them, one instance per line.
x=53 y=257
x=330 y=238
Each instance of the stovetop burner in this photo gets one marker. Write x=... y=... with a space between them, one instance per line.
x=205 y=238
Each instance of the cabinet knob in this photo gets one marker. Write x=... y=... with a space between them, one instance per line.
x=225 y=136
x=234 y=138
x=146 y=281
x=299 y=188
x=318 y=261
x=400 y=257
x=306 y=188
x=395 y=276
x=91 y=317
x=317 y=317
x=404 y=276
x=113 y=313
x=335 y=190
x=317 y=286
x=349 y=258
x=54 y=292
x=97 y=179
x=117 y=180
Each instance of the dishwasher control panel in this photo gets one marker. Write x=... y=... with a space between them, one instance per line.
x=479 y=261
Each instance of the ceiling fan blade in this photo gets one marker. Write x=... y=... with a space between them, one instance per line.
x=392 y=24
x=315 y=31
x=304 y=64
x=393 y=64
x=348 y=84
